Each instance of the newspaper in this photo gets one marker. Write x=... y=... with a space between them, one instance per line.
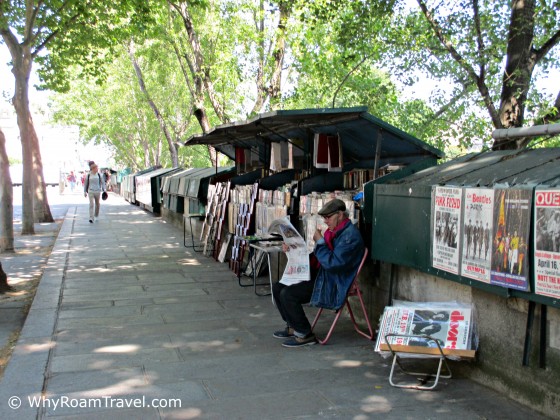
x=450 y=326
x=297 y=268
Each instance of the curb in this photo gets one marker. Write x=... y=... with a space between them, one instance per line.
x=27 y=369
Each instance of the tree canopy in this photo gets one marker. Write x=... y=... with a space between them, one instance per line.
x=229 y=59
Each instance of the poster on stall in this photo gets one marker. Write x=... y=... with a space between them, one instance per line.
x=512 y=210
x=547 y=242
x=477 y=233
x=446 y=229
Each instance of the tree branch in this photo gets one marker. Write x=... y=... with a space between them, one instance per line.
x=53 y=34
x=11 y=42
x=553 y=115
x=482 y=88
x=547 y=46
x=479 y=40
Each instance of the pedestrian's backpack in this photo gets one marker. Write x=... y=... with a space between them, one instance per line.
x=87 y=182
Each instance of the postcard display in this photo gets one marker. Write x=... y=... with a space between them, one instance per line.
x=211 y=234
x=309 y=206
x=240 y=214
x=272 y=205
x=482 y=234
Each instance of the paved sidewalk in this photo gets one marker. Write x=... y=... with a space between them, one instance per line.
x=125 y=311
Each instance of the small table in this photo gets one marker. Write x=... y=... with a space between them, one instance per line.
x=269 y=247
x=192 y=244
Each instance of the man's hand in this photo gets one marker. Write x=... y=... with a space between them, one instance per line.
x=285 y=247
x=317 y=235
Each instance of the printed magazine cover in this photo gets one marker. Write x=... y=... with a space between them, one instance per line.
x=450 y=326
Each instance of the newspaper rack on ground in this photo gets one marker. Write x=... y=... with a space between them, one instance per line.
x=297 y=269
x=428 y=330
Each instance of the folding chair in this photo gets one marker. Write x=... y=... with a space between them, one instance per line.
x=353 y=291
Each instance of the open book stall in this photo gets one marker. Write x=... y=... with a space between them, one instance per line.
x=187 y=191
x=304 y=158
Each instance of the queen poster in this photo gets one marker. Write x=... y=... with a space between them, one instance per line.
x=547 y=242
x=510 y=235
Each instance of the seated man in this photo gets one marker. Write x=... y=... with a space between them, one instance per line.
x=338 y=254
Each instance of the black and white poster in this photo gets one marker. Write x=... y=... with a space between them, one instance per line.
x=547 y=242
x=446 y=229
x=477 y=233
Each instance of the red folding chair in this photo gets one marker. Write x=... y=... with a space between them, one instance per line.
x=353 y=291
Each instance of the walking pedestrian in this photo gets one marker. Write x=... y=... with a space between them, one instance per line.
x=93 y=188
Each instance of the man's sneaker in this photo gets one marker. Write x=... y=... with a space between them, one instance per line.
x=91 y=221
x=285 y=333
x=308 y=340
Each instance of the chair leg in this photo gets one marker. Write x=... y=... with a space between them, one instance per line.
x=324 y=340
x=356 y=327
x=319 y=312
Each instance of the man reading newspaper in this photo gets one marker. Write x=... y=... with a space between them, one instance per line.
x=335 y=260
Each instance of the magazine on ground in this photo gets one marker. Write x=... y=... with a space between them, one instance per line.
x=449 y=324
x=297 y=268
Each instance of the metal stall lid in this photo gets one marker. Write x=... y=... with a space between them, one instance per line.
x=366 y=141
x=148 y=188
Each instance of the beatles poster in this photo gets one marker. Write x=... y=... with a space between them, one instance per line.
x=510 y=234
x=446 y=228
x=477 y=233
x=547 y=242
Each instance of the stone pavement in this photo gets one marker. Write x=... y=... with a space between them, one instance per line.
x=124 y=314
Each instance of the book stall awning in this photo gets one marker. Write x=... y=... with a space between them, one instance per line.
x=359 y=131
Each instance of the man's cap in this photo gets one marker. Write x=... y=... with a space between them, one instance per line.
x=332 y=207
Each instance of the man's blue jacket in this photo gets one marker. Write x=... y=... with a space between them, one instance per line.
x=338 y=267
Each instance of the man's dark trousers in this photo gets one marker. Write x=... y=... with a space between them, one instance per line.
x=289 y=301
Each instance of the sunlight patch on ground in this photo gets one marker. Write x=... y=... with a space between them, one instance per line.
x=123 y=348
x=32 y=348
x=121 y=388
x=376 y=404
x=189 y=261
x=347 y=363
x=187 y=413
x=219 y=345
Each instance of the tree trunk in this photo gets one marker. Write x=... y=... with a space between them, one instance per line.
x=170 y=143
x=25 y=123
x=518 y=71
x=4 y=286
x=41 y=208
x=197 y=93
x=6 y=200
x=275 y=88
